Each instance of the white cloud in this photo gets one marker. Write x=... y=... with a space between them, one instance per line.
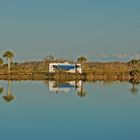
x=136 y=55
x=117 y=55
x=104 y=55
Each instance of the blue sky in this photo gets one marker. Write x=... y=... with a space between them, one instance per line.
x=98 y=29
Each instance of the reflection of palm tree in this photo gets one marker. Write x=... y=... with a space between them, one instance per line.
x=82 y=92
x=134 y=90
x=9 y=97
x=1 y=90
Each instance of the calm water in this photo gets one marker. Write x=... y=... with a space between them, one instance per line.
x=51 y=110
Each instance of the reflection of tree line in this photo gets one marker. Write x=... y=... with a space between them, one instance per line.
x=133 y=90
x=134 y=82
x=81 y=93
x=8 y=97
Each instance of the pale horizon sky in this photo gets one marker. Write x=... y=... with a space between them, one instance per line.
x=98 y=29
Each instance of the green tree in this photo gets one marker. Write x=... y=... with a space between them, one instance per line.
x=134 y=71
x=9 y=56
x=49 y=58
x=81 y=59
x=133 y=62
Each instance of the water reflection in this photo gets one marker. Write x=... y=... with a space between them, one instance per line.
x=1 y=89
x=135 y=83
x=82 y=92
x=67 y=86
x=70 y=86
x=8 y=97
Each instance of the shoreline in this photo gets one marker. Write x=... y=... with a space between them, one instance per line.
x=69 y=77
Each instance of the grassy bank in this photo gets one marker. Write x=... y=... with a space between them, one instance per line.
x=91 y=71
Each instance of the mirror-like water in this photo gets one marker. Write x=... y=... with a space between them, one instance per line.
x=69 y=110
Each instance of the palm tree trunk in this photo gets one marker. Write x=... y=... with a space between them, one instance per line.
x=9 y=62
x=9 y=89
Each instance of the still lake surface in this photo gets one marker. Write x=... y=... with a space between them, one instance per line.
x=51 y=110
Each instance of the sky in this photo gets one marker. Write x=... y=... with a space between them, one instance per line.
x=105 y=30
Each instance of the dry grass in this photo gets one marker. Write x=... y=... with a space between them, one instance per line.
x=91 y=71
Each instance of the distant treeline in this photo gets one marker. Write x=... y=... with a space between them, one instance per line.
x=89 y=68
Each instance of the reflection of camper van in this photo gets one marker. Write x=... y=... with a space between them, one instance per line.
x=65 y=86
x=67 y=67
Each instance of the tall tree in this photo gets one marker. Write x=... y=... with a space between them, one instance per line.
x=49 y=58
x=9 y=56
x=81 y=59
x=133 y=62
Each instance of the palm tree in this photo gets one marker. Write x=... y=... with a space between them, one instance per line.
x=1 y=62
x=9 y=56
x=9 y=97
x=49 y=58
x=81 y=59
